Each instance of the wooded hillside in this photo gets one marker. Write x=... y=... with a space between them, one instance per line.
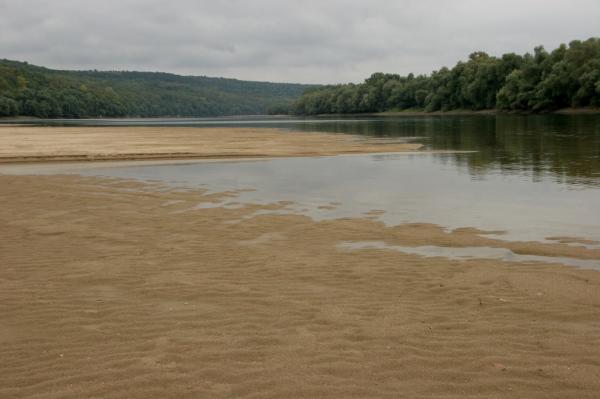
x=30 y=90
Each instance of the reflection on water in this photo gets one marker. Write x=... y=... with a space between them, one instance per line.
x=565 y=147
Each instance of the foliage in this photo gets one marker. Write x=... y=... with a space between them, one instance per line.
x=542 y=81
x=35 y=91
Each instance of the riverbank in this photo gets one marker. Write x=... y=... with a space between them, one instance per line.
x=52 y=144
x=466 y=112
x=463 y=112
x=112 y=288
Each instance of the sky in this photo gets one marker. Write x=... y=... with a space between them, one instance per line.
x=326 y=41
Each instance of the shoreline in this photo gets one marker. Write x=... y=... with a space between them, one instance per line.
x=34 y=168
x=22 y=120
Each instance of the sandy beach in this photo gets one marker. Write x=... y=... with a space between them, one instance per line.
x=48 y=144
x=120 y=289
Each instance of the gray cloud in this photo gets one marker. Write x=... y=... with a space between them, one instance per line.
x=286 y=40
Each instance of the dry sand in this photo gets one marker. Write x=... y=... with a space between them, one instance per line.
x=112 y=289
x=35 y=143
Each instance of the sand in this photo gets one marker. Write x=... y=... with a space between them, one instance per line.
x=46 y=144
x=115 y=289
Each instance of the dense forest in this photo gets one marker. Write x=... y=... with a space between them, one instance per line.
x=569 y=76
x=28 y=90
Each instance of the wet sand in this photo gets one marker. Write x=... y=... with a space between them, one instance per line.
x=119 y=289
x=47 y=144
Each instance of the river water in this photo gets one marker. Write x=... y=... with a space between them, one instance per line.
x=531 y=176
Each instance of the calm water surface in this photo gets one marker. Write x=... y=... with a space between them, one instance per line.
x=532 y=176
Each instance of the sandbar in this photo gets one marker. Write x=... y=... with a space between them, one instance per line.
x=67 y=144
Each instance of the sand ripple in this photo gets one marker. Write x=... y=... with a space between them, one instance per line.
x=107 y=293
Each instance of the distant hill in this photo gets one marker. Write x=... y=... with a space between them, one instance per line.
x=29 y=90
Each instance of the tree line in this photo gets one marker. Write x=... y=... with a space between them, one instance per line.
x=28 y=90
x=569 y=76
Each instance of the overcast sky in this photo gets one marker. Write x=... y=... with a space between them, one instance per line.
x=283 y=40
